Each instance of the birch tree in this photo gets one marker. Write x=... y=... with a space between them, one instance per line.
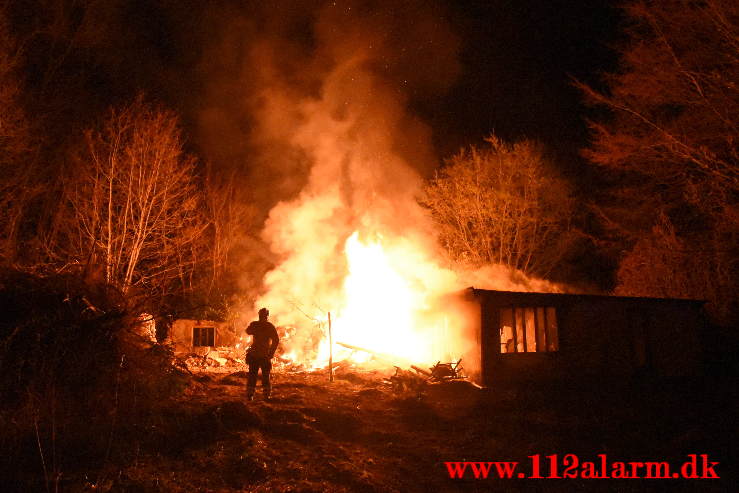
x=134 y=200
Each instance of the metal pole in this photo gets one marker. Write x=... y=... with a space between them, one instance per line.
x=330 y=351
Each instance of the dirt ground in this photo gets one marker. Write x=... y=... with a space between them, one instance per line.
x=357 y=434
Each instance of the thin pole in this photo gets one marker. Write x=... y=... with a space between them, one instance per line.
x=330 y=351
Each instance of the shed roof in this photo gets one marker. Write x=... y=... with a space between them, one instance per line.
x=570 y=297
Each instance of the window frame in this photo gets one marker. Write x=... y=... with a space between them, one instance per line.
x=202 y=335
x=529 y=323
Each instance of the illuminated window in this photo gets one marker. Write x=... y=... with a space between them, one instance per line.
x=528 y=330
x=203 y=336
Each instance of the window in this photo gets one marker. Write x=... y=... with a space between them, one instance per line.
x=203 y=336
x=528 y=330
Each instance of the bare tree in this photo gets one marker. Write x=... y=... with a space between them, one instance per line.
x=675 y=99
x=134 y=201
x=664 y=263
x=229 y=216
x=670 y=133
x=16 y=156
x=500 y=204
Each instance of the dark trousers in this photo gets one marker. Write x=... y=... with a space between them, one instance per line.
x=255 y=364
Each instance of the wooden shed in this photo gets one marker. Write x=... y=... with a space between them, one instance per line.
x=529 y=337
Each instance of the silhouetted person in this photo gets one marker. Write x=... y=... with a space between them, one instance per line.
x=260 y=354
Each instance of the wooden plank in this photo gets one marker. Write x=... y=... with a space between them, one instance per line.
x=515 y=329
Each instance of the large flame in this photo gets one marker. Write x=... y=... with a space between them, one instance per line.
x=386 y=308
x=348 y=235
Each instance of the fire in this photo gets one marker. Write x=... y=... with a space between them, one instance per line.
x=392 y=308
x=386 y=308
x=380 y=304
x=381 y=307
x=349 y=236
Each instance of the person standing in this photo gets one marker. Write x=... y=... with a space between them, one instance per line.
x=260 y=354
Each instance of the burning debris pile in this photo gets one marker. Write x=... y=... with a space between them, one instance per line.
x=444 y=372
x=417 y=380
x=351 y=239
x=347 y=234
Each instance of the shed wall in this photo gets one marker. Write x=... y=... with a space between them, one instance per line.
x=599 y=338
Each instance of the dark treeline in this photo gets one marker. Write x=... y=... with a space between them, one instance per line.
x=98 y=127
x=98 y=176
x=668 y=145
x=105 y=214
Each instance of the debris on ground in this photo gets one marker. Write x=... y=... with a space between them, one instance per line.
x=418 y=379
x=406 y=381
x=444 y=372
x=214 y=359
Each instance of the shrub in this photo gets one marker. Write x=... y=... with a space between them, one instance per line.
x=74 y=374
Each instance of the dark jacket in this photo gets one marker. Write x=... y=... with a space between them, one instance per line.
x=263 y=333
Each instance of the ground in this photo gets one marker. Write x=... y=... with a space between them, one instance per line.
x=357 y=434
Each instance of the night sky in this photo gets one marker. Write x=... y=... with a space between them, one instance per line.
x=519 y=58
x=516 y=60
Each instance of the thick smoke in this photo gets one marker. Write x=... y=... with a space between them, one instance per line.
x=358 y=63
x=319 y=117
x=311 y=102
x=363 y=149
